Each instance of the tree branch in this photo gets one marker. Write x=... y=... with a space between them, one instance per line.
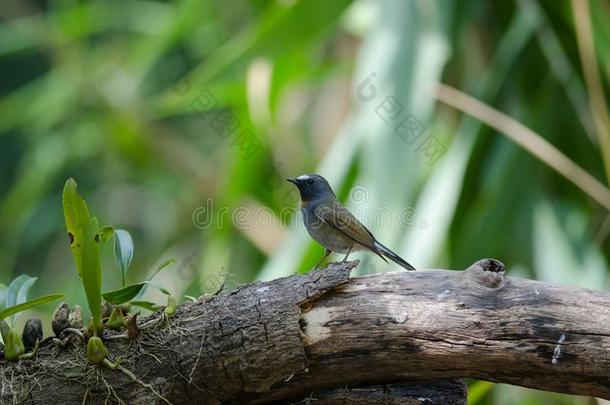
x=313 y=335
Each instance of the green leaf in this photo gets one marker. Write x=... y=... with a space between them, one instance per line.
x=4 y=330
x=22 y=293
x=28 y=305
x=14 y=288
x=106 y=233
x=154 y=273
x=127 y=293
x=151 y=306
x=158 y=287
x=84 y=234
x=116 y=320
x=92 y=272
x=3 y=292
x=123 y=295
x=123 y=251
x=77 y=219
x=17 y=292
x=161 y=267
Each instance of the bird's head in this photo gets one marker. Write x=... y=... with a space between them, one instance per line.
x=312 y=186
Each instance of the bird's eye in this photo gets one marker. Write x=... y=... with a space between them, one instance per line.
x=310 y=181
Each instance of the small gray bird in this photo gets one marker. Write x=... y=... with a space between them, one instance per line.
x=330 y=224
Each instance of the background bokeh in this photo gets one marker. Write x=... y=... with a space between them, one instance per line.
x=180 y=120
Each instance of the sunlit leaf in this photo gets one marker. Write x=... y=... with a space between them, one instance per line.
x=77 y=219
x=28 y=305
x=91 y=271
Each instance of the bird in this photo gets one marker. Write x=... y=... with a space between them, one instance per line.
x=332 y=225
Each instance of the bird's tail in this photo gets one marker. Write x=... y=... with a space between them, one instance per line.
x=393 y=256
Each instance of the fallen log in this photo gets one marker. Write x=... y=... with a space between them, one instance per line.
x=323 y=336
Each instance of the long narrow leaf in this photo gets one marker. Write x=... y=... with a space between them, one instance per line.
x=158 y=287
x=122 y=295
x=77 y=219
x=151 y=306
x=532 y=142
x=154 y=273
x=125 y=294
x=161 y=267
x=28 y=305
x=91 y=271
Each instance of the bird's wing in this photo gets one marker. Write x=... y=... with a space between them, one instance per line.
x=337 y=216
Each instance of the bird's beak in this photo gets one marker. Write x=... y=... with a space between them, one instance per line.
x=292 y=180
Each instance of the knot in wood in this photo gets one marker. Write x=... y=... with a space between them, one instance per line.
x=487 y=272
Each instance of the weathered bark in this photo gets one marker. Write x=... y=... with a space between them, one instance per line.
x=314 y=335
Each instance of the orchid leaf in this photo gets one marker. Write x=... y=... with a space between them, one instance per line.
x=77 y=219
x=17 y=293
x=151 y=306
x=125 y=294
x=92 y=272
x=5 y=313
x=123 y=251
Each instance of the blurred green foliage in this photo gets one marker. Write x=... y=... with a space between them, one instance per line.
x=133 y=99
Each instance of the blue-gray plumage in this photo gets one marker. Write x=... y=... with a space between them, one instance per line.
x=330 y=224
